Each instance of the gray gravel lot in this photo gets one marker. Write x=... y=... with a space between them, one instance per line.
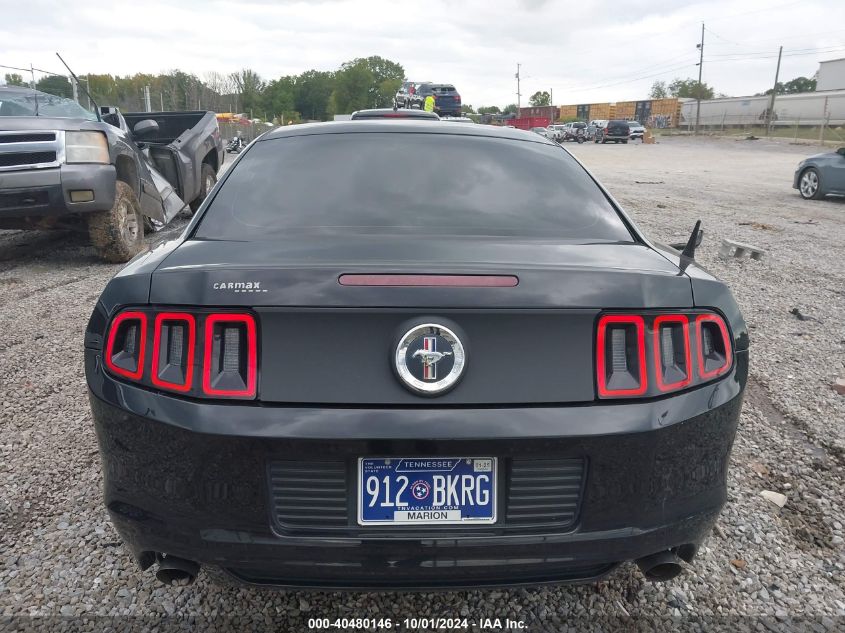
x=59 y=555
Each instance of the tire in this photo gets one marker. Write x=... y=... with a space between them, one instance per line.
x=118 y=234
x=810 y=184
x=208 y=178
x=625 y=142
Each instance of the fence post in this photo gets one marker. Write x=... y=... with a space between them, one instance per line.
x=797 y=124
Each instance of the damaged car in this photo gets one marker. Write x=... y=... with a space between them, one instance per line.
x=115 y=175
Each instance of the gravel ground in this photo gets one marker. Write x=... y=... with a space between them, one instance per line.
x=764 y=568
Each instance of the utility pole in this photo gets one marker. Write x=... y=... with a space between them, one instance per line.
x=161 y=98
x=700 y=68
x=75 y=89
x=771 y=113
x=552 y=104
x=518 y=93
x=147 y=105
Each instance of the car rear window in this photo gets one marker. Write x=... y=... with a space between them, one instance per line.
x=369 y=182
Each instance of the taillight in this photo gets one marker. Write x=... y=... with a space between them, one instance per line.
x=230 y=359
x=621 y=358
x=174 y=337
x=646 y=355
x=714 y=345
x=126 y=345
x=197 y=353
x=672 y=358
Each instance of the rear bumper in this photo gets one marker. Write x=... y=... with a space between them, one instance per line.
x=191 y=479
x=38 y=193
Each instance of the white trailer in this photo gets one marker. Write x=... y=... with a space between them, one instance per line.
x=806 y=108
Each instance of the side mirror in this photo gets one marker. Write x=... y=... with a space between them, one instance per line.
x=147 y=127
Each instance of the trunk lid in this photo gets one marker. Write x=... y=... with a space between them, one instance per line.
x=322 y=342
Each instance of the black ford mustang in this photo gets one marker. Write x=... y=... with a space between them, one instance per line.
x=356 y=372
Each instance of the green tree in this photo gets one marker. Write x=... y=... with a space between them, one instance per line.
x=387 y=77
x=465 y=107
x=794 y=86
x=540 y=99
x=312 y=91
x=658 y=90
x=489 y=110
x=55 y=85
x=280 y=98
x=689 y=88
x=14 y=79
x=352 y=86
x=250 y=87
x=511 y=109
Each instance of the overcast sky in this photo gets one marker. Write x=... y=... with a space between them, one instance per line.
x=585 y=51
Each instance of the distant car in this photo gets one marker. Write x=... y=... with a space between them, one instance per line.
x=616 y=130
x=447 y=101
x=405 y=96
x=820 y=175
x=637 y=130
x=543 y=131
x=457 y=119
x=557 y=129
x=394 y=113
x=570 y=131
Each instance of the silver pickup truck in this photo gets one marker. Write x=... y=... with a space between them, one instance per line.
x=112 y=174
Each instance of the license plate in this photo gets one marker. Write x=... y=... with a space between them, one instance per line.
x=426 y=490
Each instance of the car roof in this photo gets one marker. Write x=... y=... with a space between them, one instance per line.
x=398 y=126
x=391 y=113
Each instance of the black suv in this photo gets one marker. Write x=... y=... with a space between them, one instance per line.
x=616 y=130
x=447 y=101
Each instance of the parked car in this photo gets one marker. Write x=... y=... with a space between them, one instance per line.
x=616 y=130
x=394 y=113
x=821 y=175
x=571 y=130
x=447 y=101
x=62 y=166
x=405 y=96
x=544 y=132
x=637 y=130
x=318 y=386
x=557 y=131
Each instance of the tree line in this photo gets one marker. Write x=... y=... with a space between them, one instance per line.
x=690 y=88
x=361 y=83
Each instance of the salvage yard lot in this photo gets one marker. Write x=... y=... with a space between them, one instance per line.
x=59 y=555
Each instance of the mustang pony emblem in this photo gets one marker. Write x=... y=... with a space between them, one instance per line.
x=430 y=357
x=418 y=361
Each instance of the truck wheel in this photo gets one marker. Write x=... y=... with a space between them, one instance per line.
x=118 y=234
x=208 y=180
